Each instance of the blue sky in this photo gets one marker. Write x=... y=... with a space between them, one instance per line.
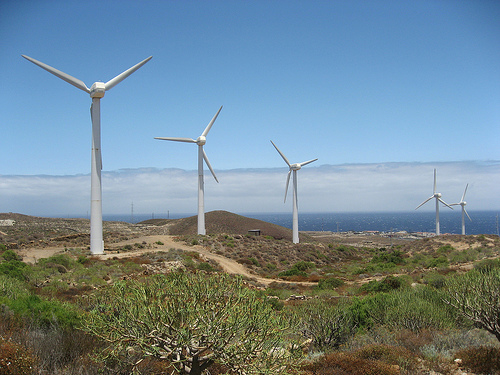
x=347 y=82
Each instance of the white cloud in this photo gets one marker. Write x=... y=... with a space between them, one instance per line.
x=326 y=188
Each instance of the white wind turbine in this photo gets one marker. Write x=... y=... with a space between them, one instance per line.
x=437 y=196
x=293 y=167
x=96 y=91
x=464 y=212
x=200 y=141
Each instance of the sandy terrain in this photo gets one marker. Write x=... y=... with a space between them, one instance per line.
x=30 y=255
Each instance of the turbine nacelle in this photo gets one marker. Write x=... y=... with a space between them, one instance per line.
x=438 y=195
x=201 y=140
x=295 y=167
x=98 y=90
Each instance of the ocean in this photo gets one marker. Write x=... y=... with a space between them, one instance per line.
x=483 y=222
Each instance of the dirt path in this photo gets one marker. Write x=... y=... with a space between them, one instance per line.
x=228 y=265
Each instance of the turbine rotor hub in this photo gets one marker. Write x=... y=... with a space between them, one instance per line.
x=201 y=140
x=97 y=90
x=437 y=195
x=295 y=167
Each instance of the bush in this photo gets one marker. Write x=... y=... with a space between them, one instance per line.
x=12 y=288
x=15 y=269
x=298 y=269
x=60 y=259
x=14 y=359
x=412 y=309
x=192 y=320
x=487 y=265
x=44 y=313
x=328 y=324
x=476 y=296
x=395 y=257
x=329 y=283
x=385 y=285
x=480 y=360
x=11 y=255
x=348 y=364
x=392 y=355
x=435 y=280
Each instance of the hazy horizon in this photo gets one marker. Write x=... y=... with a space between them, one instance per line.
x=367 y=187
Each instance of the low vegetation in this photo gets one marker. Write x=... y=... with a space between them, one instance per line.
x=332 y=308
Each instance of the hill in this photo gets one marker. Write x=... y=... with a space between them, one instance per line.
x=218 y=222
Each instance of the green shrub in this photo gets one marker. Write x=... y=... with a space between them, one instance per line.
x=12 y=288
x=476 y=296
x=434 y=279
x=205 y=266
x=298 y=269
x=292 y=272
x=385 y=285
x=487 y=265
x=328 y=323
x=43 y=312
x=9 y=255
x=413 y=309
x=255 y=262
x=445 y=249
x=329 y=283
x=15 y=269
x=82 y=259
x=464 y=256
x=395 y=257
x=61 y=259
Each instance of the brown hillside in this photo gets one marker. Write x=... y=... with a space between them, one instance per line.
x=226 y=222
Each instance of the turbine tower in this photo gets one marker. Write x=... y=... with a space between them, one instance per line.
x=437 y=196
x=293 y=167
x=464 y=211
x=200 y=141
x=96 y=91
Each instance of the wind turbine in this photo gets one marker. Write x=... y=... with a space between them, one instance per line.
x=293 y=167
x=464 y=211
x=200 y=141
x=437 y=196
x=96 y=91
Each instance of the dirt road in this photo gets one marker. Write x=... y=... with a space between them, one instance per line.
x=228 y=265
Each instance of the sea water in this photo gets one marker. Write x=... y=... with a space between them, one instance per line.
x=483 y=222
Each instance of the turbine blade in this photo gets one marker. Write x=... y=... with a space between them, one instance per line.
x=65 y=77
x=209 y=126
x=424 y=202
x=465 y=191
x=467 y=214
x=208 y=164
x=113 y=82
x=283 y=156
x=287 y=183
x=188 y=140
x=307 y=162
x=446 y=204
